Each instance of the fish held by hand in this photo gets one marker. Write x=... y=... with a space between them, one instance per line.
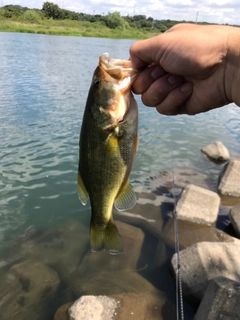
x=108 y=143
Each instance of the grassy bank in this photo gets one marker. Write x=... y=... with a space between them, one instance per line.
x=73 y=28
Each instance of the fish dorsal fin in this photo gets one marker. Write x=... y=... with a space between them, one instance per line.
x=82 y=191
x=126 y=198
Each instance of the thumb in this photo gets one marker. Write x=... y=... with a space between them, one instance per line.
x=146 y=52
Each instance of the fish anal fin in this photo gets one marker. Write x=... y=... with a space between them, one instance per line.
x=107 y=238
x=126 y=199
x=82 y=192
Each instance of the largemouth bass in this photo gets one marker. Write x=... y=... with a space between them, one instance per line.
x=108 y=143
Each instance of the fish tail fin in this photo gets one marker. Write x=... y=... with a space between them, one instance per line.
x=107 y=238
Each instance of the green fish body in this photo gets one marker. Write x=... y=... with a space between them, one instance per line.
x=108 y=143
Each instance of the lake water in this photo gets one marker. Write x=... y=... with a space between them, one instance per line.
x=43 y=88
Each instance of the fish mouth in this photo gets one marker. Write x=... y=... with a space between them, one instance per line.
x=121 y=71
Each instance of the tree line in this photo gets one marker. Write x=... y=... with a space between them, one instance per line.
x=111 y=20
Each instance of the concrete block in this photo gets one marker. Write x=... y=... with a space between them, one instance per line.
x=221 y=301
x=234 y=216
x=230 y=179
x=216 y=151
x=198 y=205
x=204 y=261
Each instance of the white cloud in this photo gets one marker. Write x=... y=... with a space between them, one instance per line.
x=212 y=11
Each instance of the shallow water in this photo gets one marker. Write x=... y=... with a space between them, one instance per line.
x=43 y=88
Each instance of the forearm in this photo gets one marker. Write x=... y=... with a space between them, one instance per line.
x=232 y=74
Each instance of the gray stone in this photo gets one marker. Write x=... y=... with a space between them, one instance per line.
x=230 y=179
x=25 y=288
x=234 y=216
x=198 y=205
x=204 y=261
x=93 y=308
x=221 y=301
x=216 y=151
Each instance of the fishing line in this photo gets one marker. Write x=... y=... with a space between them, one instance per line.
x=152 y=139
x=179 y=293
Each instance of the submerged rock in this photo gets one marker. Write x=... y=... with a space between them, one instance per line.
x=26 y=289
x=132 y=238
x=61 y=248
x=136 y=306
x=142 y=306
x=204 y=261
x=221 y=301
x=62 y=312
x=216 y=151
x=178 y=179
x=198 y=205
x=192 y=233
x=93 y=308
x=229 y=179
x=103 y=274
x=147 y=216
x=234 y=216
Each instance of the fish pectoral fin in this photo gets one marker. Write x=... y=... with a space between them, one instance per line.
x=126 y=198
x=82 y=191
x=107 y=238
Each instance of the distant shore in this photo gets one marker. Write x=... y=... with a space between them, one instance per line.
x=74 y=28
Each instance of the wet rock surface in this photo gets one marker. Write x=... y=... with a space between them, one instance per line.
x=204 y=261
x=221 y=301
x=216 y=151
x=229 y=180
x=198 y=205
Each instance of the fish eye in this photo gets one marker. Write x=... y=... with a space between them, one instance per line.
x=97 y=83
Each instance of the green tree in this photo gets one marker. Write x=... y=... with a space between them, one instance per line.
x=32 y=16
x=51 y=10
x=115 y=21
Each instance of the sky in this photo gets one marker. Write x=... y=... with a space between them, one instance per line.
x=211 y=11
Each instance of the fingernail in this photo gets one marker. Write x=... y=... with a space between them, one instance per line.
x=174 y=79
x=187 y=87
x=157 y=72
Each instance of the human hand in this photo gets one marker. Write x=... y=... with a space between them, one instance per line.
x=188 y=69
